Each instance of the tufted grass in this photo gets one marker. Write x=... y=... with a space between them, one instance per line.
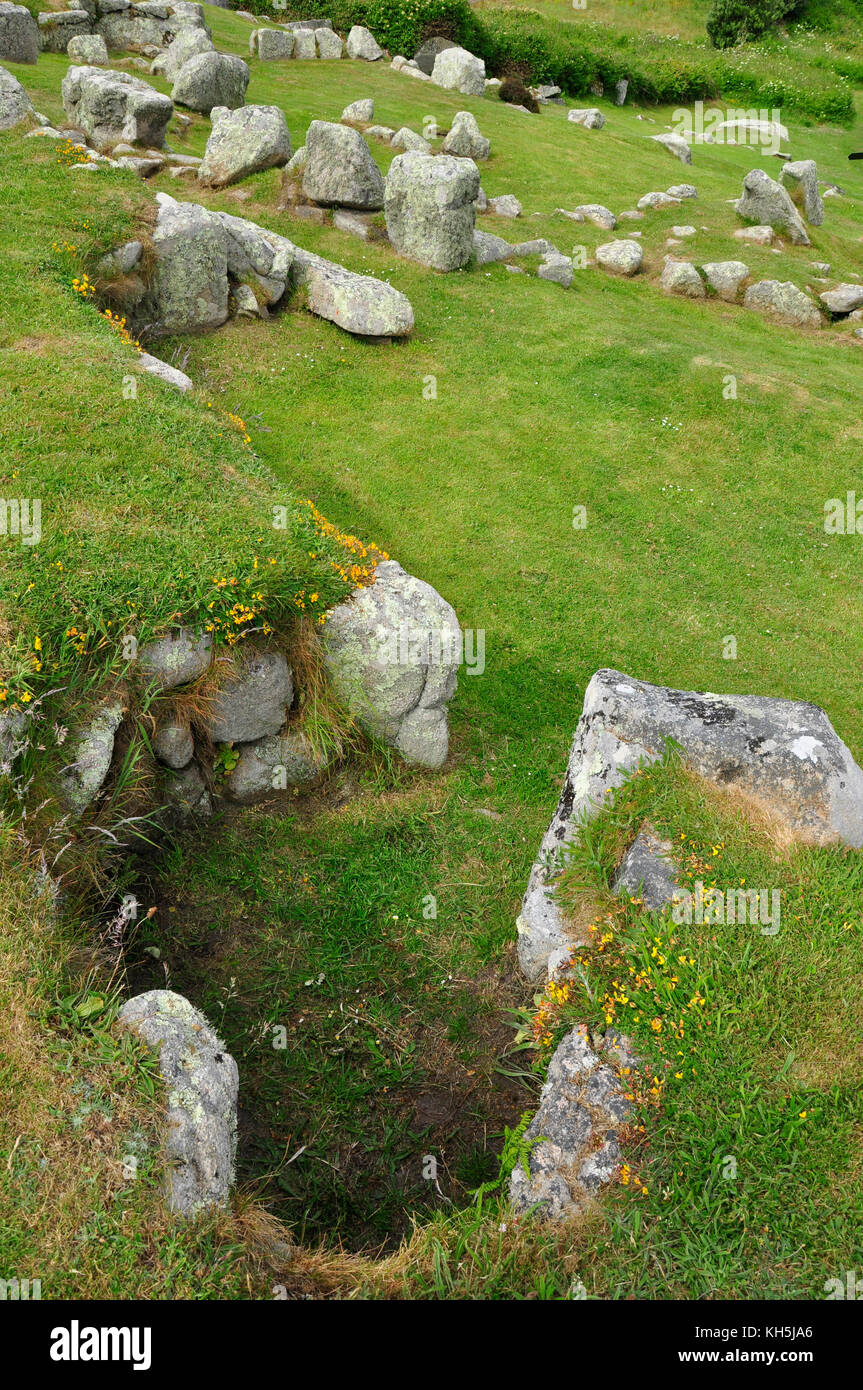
x=705 y=518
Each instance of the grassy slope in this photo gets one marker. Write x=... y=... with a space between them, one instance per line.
x=705 y=518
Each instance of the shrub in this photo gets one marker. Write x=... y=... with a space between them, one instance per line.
x=739 y=21
x=513 y=90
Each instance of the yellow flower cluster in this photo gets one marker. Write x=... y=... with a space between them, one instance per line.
x=69 y=154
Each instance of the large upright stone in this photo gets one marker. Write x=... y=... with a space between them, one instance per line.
x=431 y=208
x=363 y=44
x=201 y=1085
x=783 y=755
x=392 y=653
x=464 y=139
x=767 y=203
x=800 y=177
x=340 y=170
x=211 y=79
x=19 y=34
x=272 y=45
x=57 y=27
x=328 y=44
x=243 y=142
x=458 y=70
x=189 y=288
x=88 y=50
x=15 y=106
x=113 y=107
x=188 y=44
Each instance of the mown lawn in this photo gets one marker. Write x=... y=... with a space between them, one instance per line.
x=705 y=520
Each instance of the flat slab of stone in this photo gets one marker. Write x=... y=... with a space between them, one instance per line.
x=782 y=300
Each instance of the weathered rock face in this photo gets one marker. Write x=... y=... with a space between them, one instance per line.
x=243 y=142
x=201 y=1088
x=599 y=215
x=464 y=139
x=173 y=744
x=427 y=53
x=556 y=268
x=176 y=659
x=57 y=27
x=188 y=44
x=359 y=304
x=211 y=79
x=784 y=301
x=725 y=277
x=581 y=1105
x=648 y=871
x=88 y=49
x=782 y=753
x=304 y=44
x=392 y=656
x=458 y=70
x=189 y=289
x=620 y=257
x=407 y=139
x=19 y=34
x=15 y=105
x=800 y=178
x=844 y=299
x=185 y=795
x=766 y=202
x=679 y=277
x=272 y=45
x=490 y=248
x=254 y=703
x=138 y=27
x=676 y=145
x=590 y=117
x=92 y=749
x=431 y=208
x=114 y=106
x=362 y=110
x=328 y=44
x=363 y=44
x=273 y=764
x=340 y=169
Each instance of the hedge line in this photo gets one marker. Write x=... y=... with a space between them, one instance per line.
x=577 y=57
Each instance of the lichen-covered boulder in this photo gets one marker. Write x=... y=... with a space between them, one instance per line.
x=464 y=138
x=407 y=139
x=590 y=117
x=782 y=300
x=88 y=50
x=201 y=1082
x=328 y=44
x=392 y=653
x=253 y=702
x=680 y=277
x=431 y=208
x=800 y=178
x=363 y=44
x=725 y=277
x=211 y=79
x=188 y=44
x=243 y=142
x=189 y=288
x=173 y=744
x=340 y=169
x=581 y=1107
x=176 y=659
x=274 y=764
x=781 y=754
x=620 y=257
x=459 y=70
x=362 y=111
x=92 y=749
x=19 y=34
x=488 y=248
x=57 y=27
x=15 y=105
x=272 y=45
x=359 y=304
x=676 y=145
x=767 y=203
x=110 y=107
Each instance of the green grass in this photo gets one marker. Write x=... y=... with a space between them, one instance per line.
x=705 y=518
